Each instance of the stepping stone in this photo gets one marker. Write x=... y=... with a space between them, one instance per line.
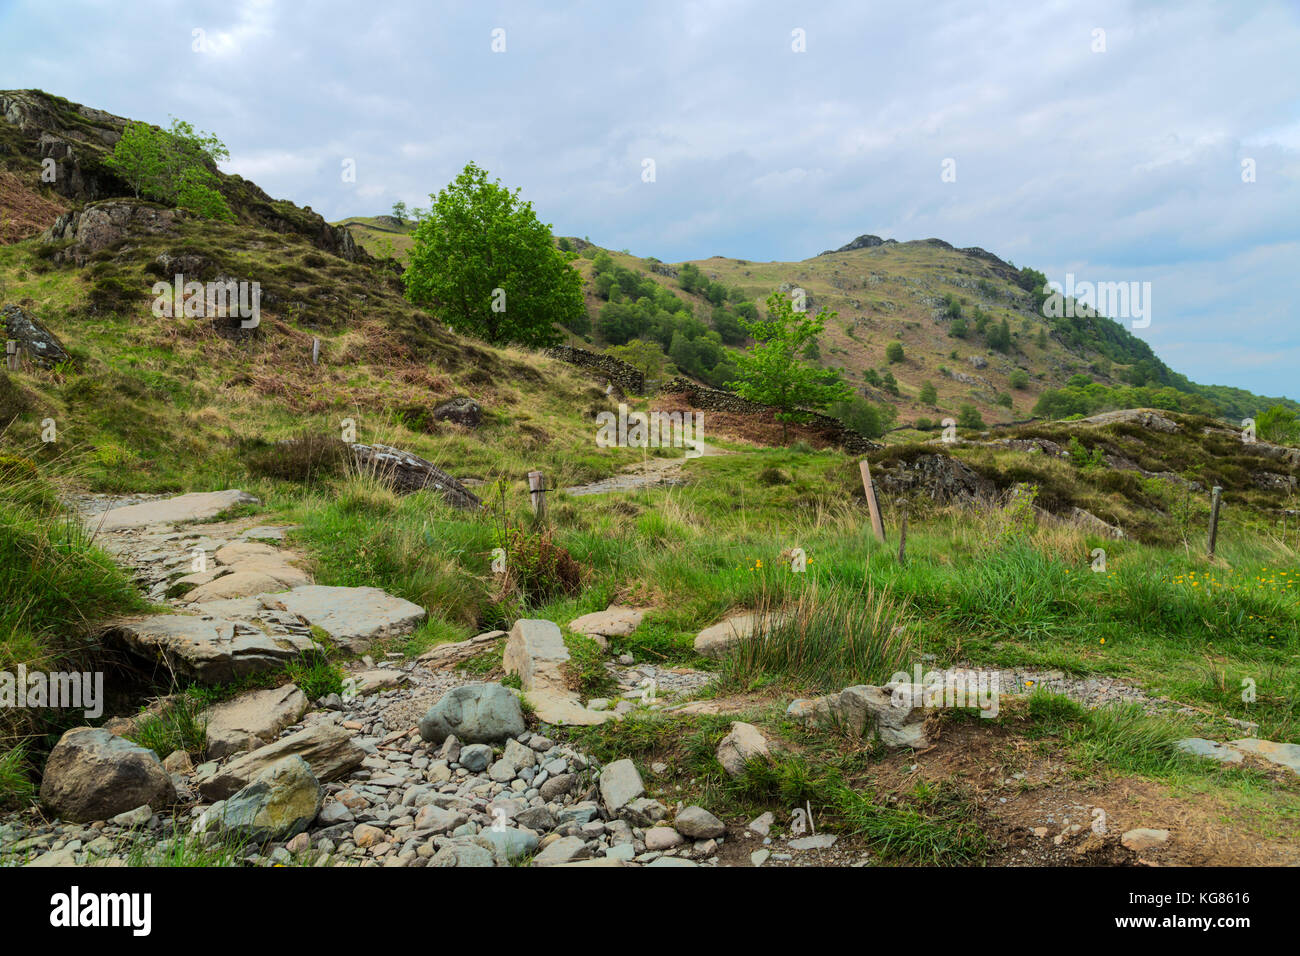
x=267 y=532
x=240 y=584
x=207 y=649
x=535 y=651
x=198 y=506
x=614 y=621
x=352 y=617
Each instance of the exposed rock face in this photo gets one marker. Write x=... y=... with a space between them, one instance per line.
x=252 y=719
x=474 y=713
x=94 y=775
x=461 y=410
x=39 y=345
x=101 y=224
x=943 y=478
x=205 y=648
x=862 y=242
x=328 y=749
x=1089 y=521
x=1144 y=417
x=283 y=801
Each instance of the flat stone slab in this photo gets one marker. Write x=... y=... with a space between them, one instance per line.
x=1284 y=755
x=820 y=841
x=1209 y=748
x=207 y=649
x=196 y=506
x=253 y=719
x=352 y=617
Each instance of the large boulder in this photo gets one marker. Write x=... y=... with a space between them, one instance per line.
x=252 y=719
x=462 y=410
x=614 y=621
x=281 y=802
x=717 y=640
x=329 y=750
x=41 y=346
x=476 y=714
x=94 y=775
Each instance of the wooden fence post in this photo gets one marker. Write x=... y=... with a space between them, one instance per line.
x=902 y=537
x=315 y=351
x=11 y=355
x=537 y=493
x=1216 y=494
x=877 y=525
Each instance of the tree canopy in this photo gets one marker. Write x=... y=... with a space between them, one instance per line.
x=485 y=263
x=174 y=166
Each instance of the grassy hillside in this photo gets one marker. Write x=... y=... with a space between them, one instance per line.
x=999 y=575
x=384 y=237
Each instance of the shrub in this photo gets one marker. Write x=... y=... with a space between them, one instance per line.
x=308 y=458
x=894 y=352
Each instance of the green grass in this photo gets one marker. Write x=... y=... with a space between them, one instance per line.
x=181 y=726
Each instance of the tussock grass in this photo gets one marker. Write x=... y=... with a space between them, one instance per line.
x=826 y=639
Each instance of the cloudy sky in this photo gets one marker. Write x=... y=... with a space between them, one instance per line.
x=1109 y=139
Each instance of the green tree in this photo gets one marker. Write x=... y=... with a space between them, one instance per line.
x=894 y=351
x=929 y=394
x=1279 y=424
x=1018 y=378
x=863 y=417
x=175 y=166
x=647 y=356
x=399 y=210
x=968 y=416
x=999 y=336
x=487 y=265
x=772 y=371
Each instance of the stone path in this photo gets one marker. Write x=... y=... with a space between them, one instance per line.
x=243 y=605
